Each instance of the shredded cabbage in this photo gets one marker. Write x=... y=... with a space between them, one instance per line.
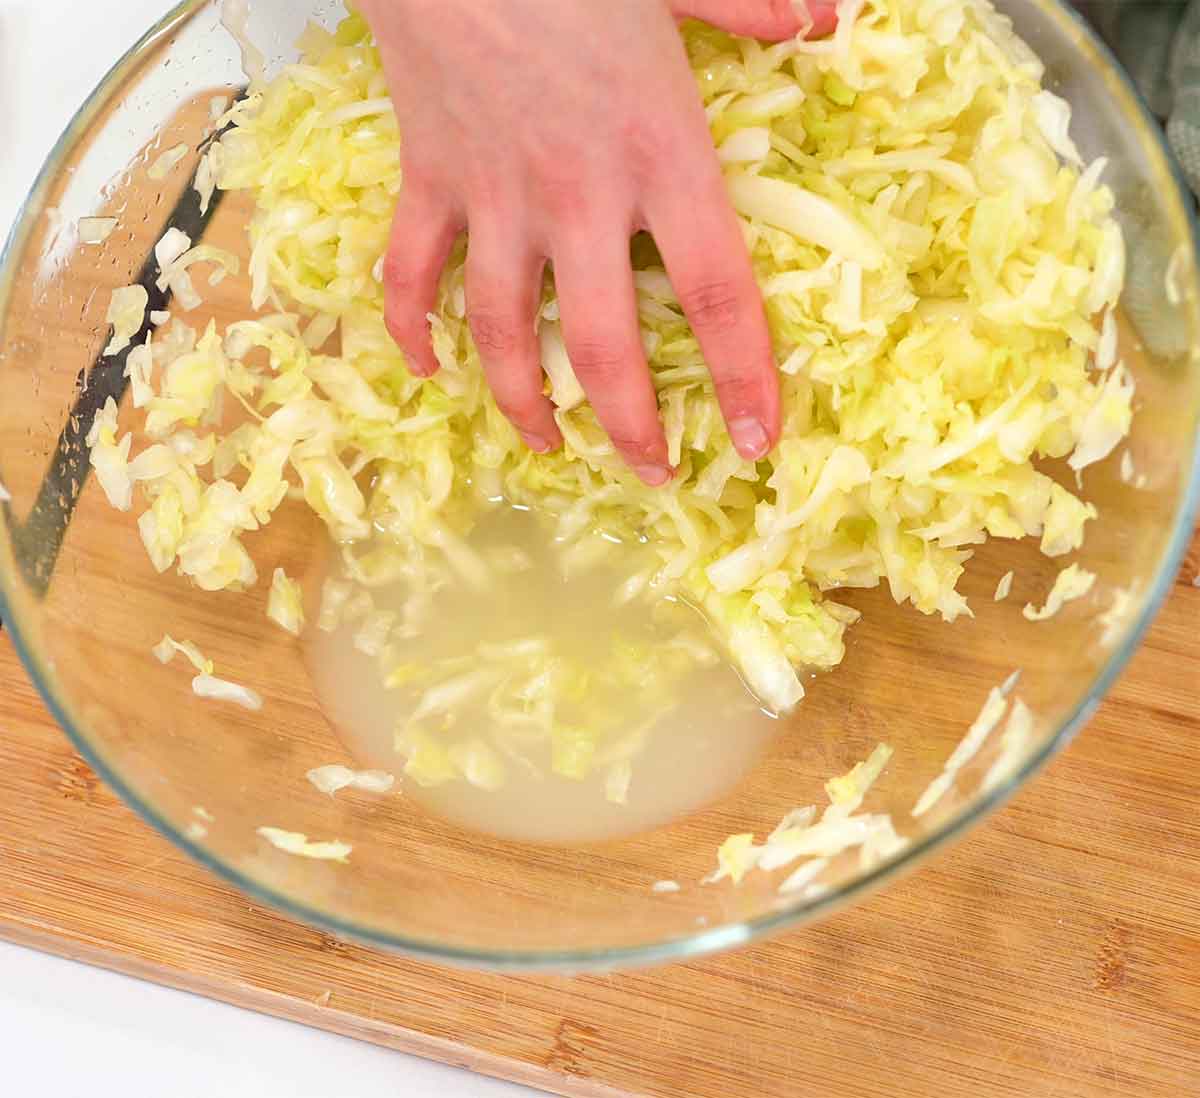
x=207 y=173
x=329 y=779
x=171 y=245
x=166 y=163
x=736 y=856
x=1070 y=584
x=800 y=879
x=1053 y=118
x=1014 y=745
x=1065 y=516
x=800 y=834
x=197 y=829
x=935 y=266
x=1114 y=621
x=846 y=793
x=990 y=715
x=235 y=15
x=110 y=457
x=912 y=422
x=176 y=267
x=126 y=313
x=616 y=782
x=296 y=842
x=1107 y=420
x=1129 y=474
x=207 y=686
x=478 y=762
x=167 y=648
x=1106 y=349
x=537 y=706
x=335 y=594
x=139 y=368
x=96 y=230
x=285 y=604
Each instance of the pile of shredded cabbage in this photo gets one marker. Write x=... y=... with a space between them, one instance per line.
x=940 y=271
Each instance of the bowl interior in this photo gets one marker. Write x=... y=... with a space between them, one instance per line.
x=85 y=606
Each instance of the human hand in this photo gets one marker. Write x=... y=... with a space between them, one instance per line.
x=555 y=130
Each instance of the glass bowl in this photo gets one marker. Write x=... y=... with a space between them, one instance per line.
x=84 y=606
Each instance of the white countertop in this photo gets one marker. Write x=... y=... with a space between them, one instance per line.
x=69 y=1029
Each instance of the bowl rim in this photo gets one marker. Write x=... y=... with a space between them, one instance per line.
x=710 y=939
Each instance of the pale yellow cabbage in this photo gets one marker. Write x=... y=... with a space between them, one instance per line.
x=935 y=263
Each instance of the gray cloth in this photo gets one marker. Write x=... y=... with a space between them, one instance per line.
x=1158 y=42
x=1183 y=123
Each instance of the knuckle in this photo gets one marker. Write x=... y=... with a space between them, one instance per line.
x=493 y=332
x=602 y=361
x=713 y=306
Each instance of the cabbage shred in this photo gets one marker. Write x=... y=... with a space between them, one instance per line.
x=933 y=261
x=801 y=834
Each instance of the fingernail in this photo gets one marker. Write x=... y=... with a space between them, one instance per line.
x=536 y=443
x=824 y=19
x=654 y=475
x=749 y=438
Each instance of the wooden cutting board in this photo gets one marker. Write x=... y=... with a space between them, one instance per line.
x=1055 y=952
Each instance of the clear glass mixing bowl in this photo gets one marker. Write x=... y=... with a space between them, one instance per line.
x=84 y=606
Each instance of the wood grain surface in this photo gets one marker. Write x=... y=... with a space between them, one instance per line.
x=1055 y=952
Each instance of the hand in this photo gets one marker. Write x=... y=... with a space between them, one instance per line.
x=555 y=130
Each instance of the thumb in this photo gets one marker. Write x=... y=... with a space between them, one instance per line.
x=773 y=20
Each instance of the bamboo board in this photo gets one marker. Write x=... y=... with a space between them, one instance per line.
x=1056 y=951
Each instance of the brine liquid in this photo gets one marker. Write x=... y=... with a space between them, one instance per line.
x=694 y=753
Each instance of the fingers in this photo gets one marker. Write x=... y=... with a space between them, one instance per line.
x=600 y=327
x=773 y=20
x=423 y=233
x=503 y=277
x=701 y=243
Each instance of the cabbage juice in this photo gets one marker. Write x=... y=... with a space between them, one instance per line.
x=642 y=694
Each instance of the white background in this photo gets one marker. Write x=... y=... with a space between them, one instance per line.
x=68 y=1030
